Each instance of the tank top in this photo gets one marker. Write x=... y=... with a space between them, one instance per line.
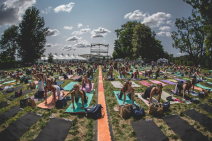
x=77 y=96
x=40 y=85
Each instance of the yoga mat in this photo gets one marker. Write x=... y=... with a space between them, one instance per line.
x=16 y=129
x=55 y=130
x=206 y=107
x=15 y=89
x=186 y=79
x=117 y=84
x=180 y=80
x=148 y=131
x=12 y=97
x=60 y=82
x=201 y=118
x=183 y=129
x=145 y=83
x=193 y=93
x=76 y=77
x=9 y=113
x=4 y=104
x=157 y=82
x=207 y=84
x=127 y=100
x=169 y=82
x=199 y=85
x=49 y=104
x=87 y=87
x=69 y=76
x=186 y=97
x=69 y=86
x=78 y=105
x=146 y=101
x=164 y=95
x=140 y=73
x=120 y=77
x=135 y=85
x=175 y=81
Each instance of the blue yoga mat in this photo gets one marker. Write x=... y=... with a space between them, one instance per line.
x=127 y=100
x=60 y=82
x=69 y=86
x=199 y=85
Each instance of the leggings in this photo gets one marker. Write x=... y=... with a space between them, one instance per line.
x=178 y=89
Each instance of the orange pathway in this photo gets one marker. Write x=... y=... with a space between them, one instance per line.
x=103 y=133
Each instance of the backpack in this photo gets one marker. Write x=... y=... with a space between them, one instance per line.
x=94 y=112
x=137 y=112
x=65 y=76
x=166 y=106
x=18 y=94
x=27 y=102
x=60 y=103
x=125 y=110
x=79 y=79
x=155 y=108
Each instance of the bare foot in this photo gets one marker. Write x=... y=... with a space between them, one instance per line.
x=72 y=107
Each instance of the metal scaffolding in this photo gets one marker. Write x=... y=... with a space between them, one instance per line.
x=100 y=49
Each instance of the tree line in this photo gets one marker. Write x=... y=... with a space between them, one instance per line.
x=27 y=40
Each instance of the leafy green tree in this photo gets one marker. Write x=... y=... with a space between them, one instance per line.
x=50 y=58
x=189 y=37
x=204 y=7
x=145 y=44
x=123 y=45
x=8 y=41
x=32 y=37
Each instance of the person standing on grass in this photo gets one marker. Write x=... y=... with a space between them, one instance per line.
x=40 y=78
x=152 y=64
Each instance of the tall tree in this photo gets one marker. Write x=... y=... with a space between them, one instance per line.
x=50 y=58
x=32 y=37
x=189 y=37
x=204 y=7
x=145 y=44
x=123 y=45
x=8 y=41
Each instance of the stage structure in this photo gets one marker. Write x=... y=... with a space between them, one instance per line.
x=100 y=49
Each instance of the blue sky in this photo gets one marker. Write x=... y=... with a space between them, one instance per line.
x=75 y=24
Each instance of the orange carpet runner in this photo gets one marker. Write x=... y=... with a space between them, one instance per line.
x=103 y=133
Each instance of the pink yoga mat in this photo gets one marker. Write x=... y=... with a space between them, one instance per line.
x=145 y=83
x=157 y=82
x=86 y=89
x=69 y=76
x=140 y=73
x=76 y=77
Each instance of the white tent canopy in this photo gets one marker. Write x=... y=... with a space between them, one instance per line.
x=162 y=60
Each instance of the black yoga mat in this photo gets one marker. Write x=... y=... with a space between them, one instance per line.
x=201 y=118
x=210 y=100
x=16 y=129
x=17 y=88
x=206 y=107
x=183 y=129
x=11 y=98
x=9 y=113
x=60 y=82
x=206 y=84
x=55 y=130
x=3 y=104
x=148 y=131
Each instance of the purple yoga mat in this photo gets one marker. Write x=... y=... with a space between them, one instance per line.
x=180 y=79
x=157 y=82
x=169 y=82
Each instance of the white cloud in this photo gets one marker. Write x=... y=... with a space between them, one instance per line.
x=82 y=44
x=99 y=33
x=47 y=10
x=154 y=20
x=162 y=33
x=79 y=25
x=165 y=28
x=53 y=32
x=11 y=11
x=74 y=38
x=82 y=31
x=68 y=48
x=53 y=45
x=169 y=22
x=64 y=8
x=68 y=27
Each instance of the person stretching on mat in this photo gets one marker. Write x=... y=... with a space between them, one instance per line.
x=54 y=89
x=40 y=78
x=150 y=91
x=148 y=73
x=135 y=75
x=157 y=73
x=193 y=82
x=180 y=86
x=76 y=94
x=86 y=81
x=127 y=90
